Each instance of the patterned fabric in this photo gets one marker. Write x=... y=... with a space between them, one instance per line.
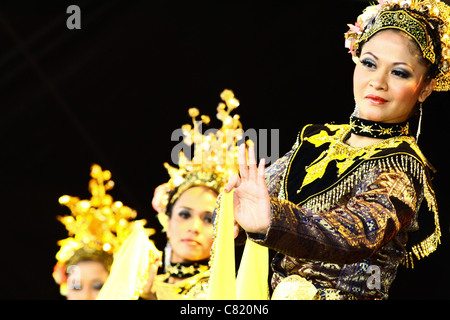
x=191 y=288
x=350 y=243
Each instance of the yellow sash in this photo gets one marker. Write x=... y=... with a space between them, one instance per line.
x=129 y=271
x=252 y=278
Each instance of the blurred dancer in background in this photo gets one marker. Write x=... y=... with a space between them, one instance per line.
x=97 y=228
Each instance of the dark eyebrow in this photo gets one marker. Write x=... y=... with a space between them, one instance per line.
x=376 y=58
x=404 y=63
x=395 y=63
x=188 y=208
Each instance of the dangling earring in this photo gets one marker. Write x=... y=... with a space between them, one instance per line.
x=420 y=122
x=167 y=255
x=356 y=111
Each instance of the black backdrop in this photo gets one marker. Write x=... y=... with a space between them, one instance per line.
x=112 y=92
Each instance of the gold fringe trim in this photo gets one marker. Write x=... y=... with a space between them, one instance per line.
x=399 y=162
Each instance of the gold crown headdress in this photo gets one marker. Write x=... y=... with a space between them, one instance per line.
x=427 y=22
x=214 y=159
x=97 y=226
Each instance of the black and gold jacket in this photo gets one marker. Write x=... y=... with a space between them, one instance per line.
x=339 y=211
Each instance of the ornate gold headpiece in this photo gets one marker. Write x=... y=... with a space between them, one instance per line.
x=97 y=226
x=425 y=21
x=214 y=158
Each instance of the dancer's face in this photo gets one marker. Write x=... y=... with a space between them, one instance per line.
x=190 y=229
x=390 y=78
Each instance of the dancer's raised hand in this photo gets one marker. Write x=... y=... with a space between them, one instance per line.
x=251 y=198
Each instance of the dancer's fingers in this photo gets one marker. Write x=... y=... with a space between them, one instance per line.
x=252 y=163
x=243 y=168
x=261 y=169
x=233 y=182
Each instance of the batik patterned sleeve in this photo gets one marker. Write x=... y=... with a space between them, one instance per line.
x=380 y=206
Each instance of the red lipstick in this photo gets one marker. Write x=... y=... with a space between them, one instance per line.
x=376 y=100
x=190 y=242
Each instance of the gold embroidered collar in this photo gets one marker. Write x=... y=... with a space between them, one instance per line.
x=345 y=155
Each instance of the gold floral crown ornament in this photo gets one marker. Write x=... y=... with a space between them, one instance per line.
x=214 y=159
x=96 y=227
x=427 y=22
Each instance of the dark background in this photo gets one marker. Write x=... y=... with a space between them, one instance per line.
x=113 y=92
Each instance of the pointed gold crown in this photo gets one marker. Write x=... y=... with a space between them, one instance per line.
x=214 y=159
x=427 y=22
x=97 y=226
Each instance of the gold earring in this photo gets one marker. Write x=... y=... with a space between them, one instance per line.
x=420 y=122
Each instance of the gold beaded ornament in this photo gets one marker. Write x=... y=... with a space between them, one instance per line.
x=422 y=20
